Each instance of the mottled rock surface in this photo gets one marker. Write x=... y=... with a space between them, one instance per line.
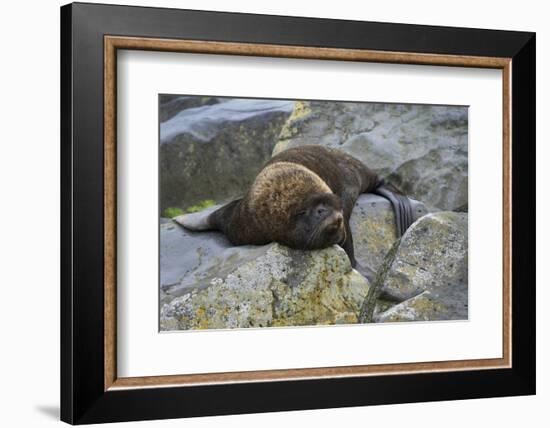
x=421 y=149
x=425 y=274
x=271 y=286
x=187 y=258
x=202 y=268
x=427 y=306
x=212 y=148
x=214 y=151
x=373 y=227
x=170 y=105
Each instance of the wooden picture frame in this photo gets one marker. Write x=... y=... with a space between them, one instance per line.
x=90 y=389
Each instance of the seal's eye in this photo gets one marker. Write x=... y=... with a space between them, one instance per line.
x=321 y=210
x=301 y=213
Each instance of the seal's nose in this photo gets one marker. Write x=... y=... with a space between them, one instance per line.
x=339 y=219
x=336 y=220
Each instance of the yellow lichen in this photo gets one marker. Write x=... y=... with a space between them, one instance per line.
x=301 y=110
x=425 y=305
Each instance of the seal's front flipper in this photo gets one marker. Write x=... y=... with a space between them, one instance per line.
x=348 y=202
x=347 y=245
x=197 y=221
x=401 y=207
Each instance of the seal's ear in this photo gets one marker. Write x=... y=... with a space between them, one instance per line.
x=197 y=221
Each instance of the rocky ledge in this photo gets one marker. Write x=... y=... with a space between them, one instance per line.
x=421 y=149
x=207 y=283
x=214 y=147
x=273 y=286
x=424 y=276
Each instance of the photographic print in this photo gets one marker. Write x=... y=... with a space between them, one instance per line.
x=280 y=213
x=316 y=229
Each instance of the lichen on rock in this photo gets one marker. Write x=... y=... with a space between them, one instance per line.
x=426 y=273
x=214 y=151
x=279 y=287
x=374 y=230
x=212 y=148
x=208 y=283
x=421 y=149
x=423 y=307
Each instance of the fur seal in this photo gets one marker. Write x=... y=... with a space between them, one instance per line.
x=302 y=198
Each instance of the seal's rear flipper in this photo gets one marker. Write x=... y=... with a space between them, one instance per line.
x=401 y=207
x=197 y=221
x=214 y=218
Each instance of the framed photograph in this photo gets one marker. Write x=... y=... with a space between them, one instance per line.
x=265 y=213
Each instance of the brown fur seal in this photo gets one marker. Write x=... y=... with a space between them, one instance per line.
x=302 y=198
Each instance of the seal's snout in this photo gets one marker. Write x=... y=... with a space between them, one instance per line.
x=335 y=221
x=339 y=219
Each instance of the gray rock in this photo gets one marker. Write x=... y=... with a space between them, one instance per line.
x=428 y=306
x=268 y=286
x=217 y=150
x=188 y=258
x=206 y=122
x=170 y=105
x=373 y=227
x=426 y=272
x=421 y=149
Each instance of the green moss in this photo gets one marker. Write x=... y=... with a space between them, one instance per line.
x=172 y=212
x=202 y=205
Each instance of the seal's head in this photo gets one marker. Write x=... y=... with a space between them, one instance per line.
x=318 y=222
x=292 y=205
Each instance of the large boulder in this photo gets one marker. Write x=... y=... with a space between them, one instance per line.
x=263 y=286
x=421 y=149
x=282 y=286
x=189 y=258
x=425 y=273
x=428 y=306
x=170 y=105
x=215 y=149
x=374 y=231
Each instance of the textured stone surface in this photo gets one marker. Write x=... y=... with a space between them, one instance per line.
x=421 y=149
x=215 y=151
x=427 y=307
x=188 y=258
x=212 y=148
x=277 y=286
x=170 y=105
x=426 y=272
x=374 y=232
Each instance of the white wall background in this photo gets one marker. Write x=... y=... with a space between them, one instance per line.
x=29 y=213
